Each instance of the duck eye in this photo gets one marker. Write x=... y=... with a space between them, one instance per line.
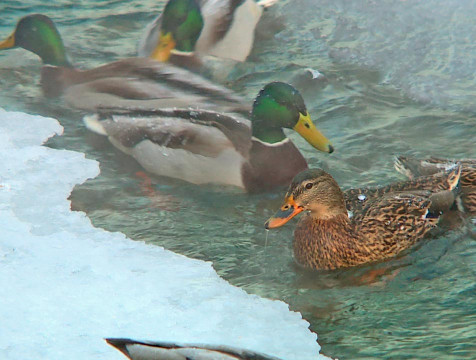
x=309 y=185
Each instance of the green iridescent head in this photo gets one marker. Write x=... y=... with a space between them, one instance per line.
x=279 y=105
x=180 y=29
x=38 y=34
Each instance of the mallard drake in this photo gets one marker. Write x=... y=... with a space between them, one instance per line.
x=148 y=350
x=222 y=28
x=133 y=82
x=202 y=146
x=415 y=168
x=392 y=220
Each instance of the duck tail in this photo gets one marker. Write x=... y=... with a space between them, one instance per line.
x=404 y=165
x=454 y=176
x=92 y=123
x=121 y=344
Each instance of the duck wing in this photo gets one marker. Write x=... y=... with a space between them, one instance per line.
x=149 y=350
x=444 y=184
x=229 y=28
x=396 y=220
x=144 y=82
x=415 y=168
x=200 y=132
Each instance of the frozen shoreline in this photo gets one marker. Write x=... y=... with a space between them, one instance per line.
x=68 y=285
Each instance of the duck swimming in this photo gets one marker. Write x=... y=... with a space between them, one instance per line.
x=223 y=28
x=415 y=169
x=390 y=220
x=202 y=146
x=148 y=350
x=132 y=82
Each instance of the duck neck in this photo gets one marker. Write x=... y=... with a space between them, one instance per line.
x=329 y=208
x=328 y=243
x=56 y=57
x=271 y=165
x=266 y=135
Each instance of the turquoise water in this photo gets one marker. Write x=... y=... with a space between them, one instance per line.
x=400 y=79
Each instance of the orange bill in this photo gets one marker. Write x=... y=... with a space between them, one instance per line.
x=287 y=211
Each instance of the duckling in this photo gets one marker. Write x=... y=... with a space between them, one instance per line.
x=221 y=28
x=392 y=220
x=416 y=168
x=133 y=82
x=148 y=350
x=201 y=146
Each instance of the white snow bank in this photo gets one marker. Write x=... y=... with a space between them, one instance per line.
x=66 y=285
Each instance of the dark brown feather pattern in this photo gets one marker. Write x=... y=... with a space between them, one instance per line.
x=416 y=168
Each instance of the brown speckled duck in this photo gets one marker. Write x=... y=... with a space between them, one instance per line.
x=417 y=168
x=381 y=223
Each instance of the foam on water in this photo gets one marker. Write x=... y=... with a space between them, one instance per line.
x=67 y=285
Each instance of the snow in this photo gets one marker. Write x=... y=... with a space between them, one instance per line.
x=66 y=285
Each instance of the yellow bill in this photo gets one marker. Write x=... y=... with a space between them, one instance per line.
x=164 y=48
x=306 y=128
x=8 y=43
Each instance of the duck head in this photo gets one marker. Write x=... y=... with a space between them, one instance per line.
x=182 y=23
x=279 y=105
x=37 y=33
x=311 y=190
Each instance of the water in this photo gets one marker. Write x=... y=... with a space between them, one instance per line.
x=400 y=79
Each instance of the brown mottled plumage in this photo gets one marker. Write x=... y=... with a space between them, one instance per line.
x=415 y=169
x=443 y=196
x=384 y=221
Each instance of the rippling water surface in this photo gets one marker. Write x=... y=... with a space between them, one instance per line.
x=400 y=79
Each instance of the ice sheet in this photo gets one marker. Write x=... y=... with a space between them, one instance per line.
x=66 y=285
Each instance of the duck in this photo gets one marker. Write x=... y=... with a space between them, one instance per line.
x=131 y=82
x=202 y=146
x=415 y=169
x=220 y=28
x=339 y=232
x=150 y=350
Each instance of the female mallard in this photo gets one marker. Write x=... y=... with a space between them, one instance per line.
x=134 y=82
x=392 y=220
x=222 y=28
x=416 y=168
x=148 y=350
x=202 y=146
